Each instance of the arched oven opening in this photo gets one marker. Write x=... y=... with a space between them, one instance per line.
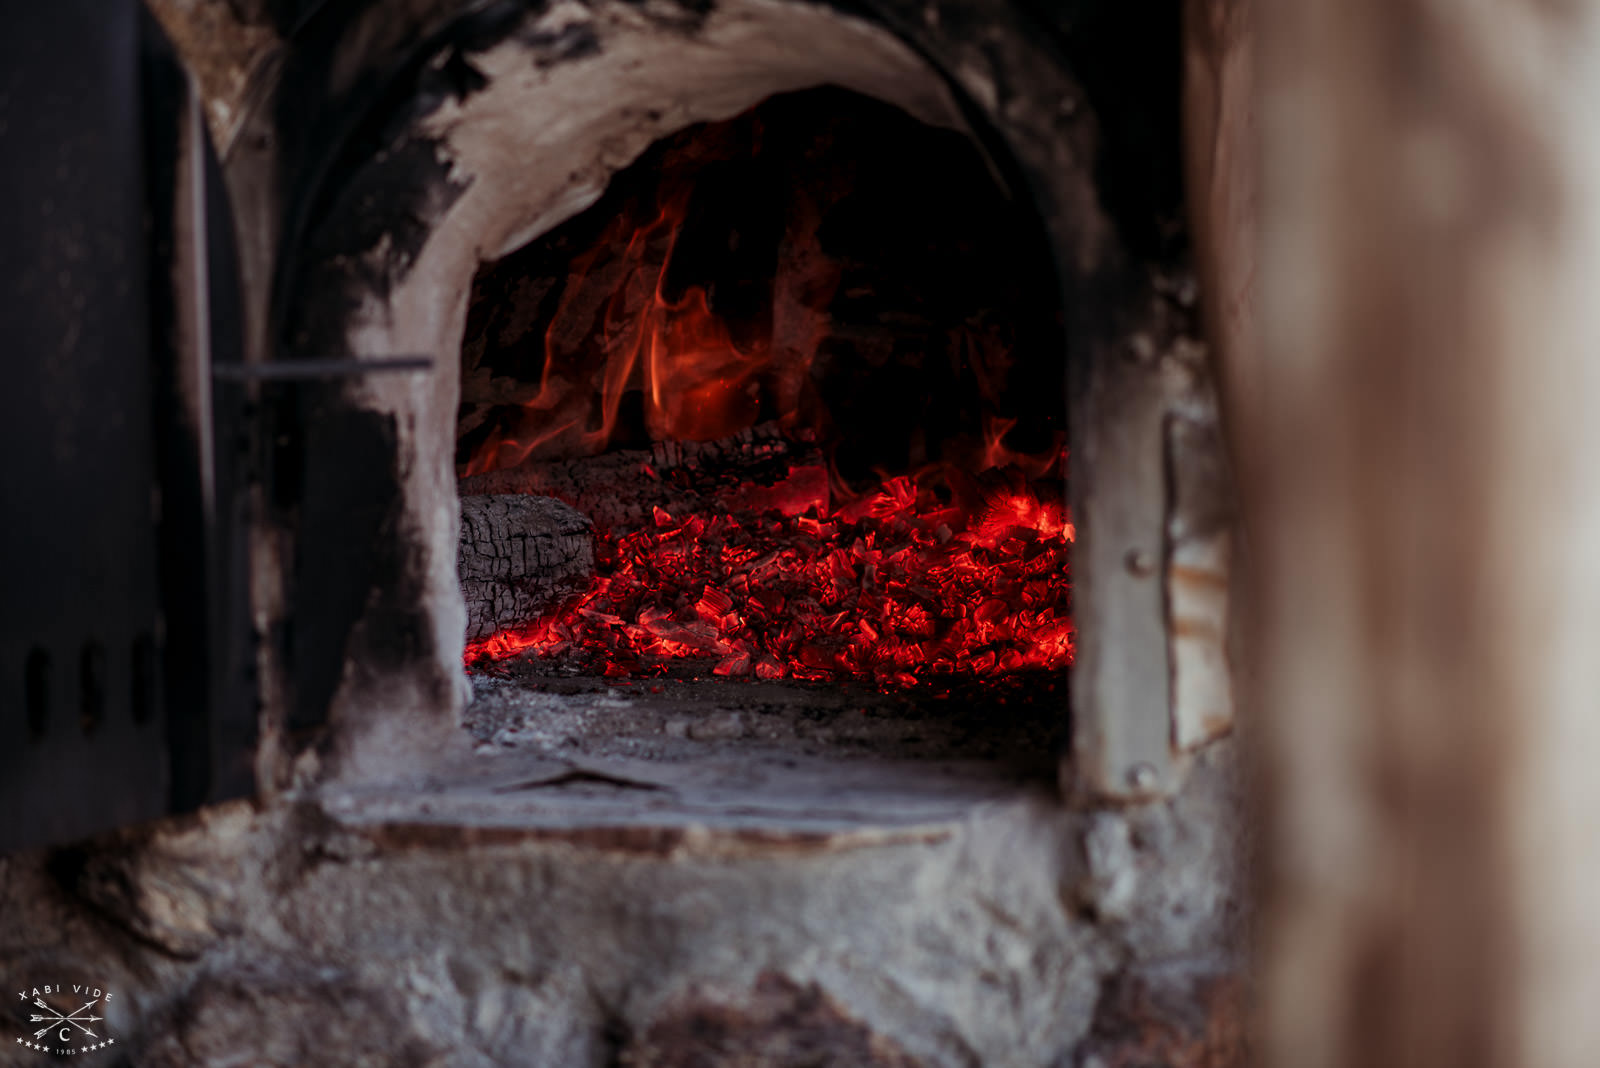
x=799 y=378
x=641 y=297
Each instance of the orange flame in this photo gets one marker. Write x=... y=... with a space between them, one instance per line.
x=622 y=325
x=1031 y=465
x=696 y=383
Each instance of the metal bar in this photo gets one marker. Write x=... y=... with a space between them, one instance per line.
x=1121 y=687
x=301 y=370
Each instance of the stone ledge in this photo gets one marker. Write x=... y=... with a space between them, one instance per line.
x=296 y=933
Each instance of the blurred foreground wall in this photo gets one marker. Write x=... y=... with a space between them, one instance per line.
x=1412 y=353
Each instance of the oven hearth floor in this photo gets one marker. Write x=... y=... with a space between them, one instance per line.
x=736 y=755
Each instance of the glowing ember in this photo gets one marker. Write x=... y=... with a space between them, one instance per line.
x=892 y=590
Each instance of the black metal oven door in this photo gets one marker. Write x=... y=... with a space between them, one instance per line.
x=120 y=663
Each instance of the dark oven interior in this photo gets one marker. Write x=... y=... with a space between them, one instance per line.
x=799 y=374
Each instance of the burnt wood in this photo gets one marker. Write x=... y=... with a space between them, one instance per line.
x=520 y=557
x=753 y=470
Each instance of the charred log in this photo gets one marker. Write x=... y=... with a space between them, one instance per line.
x=520 y=557
x=753 y=470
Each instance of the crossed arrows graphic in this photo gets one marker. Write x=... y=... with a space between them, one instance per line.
x=74 y=1019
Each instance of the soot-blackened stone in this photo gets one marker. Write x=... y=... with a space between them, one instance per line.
x=348 y=546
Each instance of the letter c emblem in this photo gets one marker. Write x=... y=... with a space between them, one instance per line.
x=65 y=1031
